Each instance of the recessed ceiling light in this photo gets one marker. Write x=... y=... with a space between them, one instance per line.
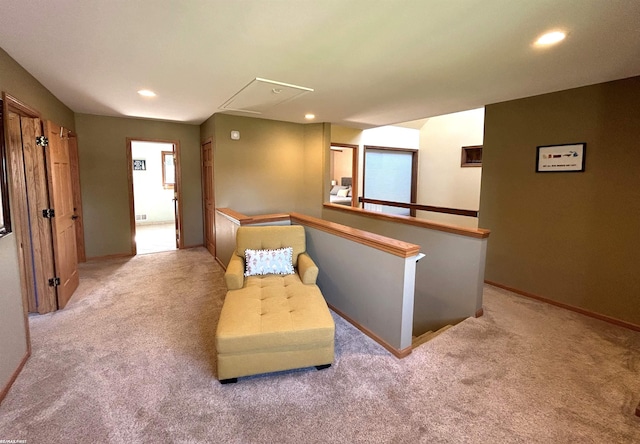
x=550 y=38
x=309 y=116
x=146 y=93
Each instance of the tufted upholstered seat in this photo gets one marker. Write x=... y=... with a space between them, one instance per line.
x=273 y=322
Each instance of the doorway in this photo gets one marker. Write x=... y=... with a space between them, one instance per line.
x=154 y=194
x=344 y=172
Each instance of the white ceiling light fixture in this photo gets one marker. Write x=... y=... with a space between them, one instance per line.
x=259 y=95
x=146 y=93
x=550 y=38
x=309 y=116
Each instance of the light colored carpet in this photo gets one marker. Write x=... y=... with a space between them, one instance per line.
x=131 y=360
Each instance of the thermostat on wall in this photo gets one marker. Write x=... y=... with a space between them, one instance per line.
x=235 y=135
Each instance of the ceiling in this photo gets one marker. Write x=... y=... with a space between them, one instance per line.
x=370 y=62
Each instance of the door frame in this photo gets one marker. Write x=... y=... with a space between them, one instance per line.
x=177 y=189
x=354 y=169
x=204 y=194
x=10 y=103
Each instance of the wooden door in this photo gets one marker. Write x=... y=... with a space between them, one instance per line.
x=15 y=159
x=77 y=196
x=208 y=197
x=176 y=198
x=63 y=223
x=29 y=184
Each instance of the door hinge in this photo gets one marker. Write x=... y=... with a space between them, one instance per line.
x=42 y=141
x=54 y=282
x=48 y=213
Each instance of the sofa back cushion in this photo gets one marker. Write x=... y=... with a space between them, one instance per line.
x=271 y=238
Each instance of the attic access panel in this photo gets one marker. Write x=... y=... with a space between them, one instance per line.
x=261 y=94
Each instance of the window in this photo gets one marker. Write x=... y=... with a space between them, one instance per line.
x=168 y=170
x=390 y=174
x=5 y=219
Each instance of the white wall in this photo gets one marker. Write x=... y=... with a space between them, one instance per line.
x=150 y=197
x=392 y=136
x=442 y=182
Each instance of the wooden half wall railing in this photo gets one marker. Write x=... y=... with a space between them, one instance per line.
x=383 y=243
x=349 y=243
x=417 y=207
x=478 y=233
x=380 y=305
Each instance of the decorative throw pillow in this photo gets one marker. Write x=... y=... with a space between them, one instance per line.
x=343 y=193
x=335 y=189
x=260 y=262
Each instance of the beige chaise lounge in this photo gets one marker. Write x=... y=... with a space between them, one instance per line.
x=272 y=322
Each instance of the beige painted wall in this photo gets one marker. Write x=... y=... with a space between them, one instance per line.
x=316 y=169
x=274 y=167
x=344 y=134
x=341 y=164
x=17 y=82
x=442 y=182
x=103 y=175
x=569 y=237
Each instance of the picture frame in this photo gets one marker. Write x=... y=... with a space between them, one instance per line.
x=139 y=165
x=564 y=158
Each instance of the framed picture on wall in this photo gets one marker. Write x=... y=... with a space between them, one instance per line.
x=561 y=158
x=139 y=165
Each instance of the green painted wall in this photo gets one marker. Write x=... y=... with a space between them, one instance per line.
x=17 y=82
x=103 y=178
x=274 y=167
x=569 y=237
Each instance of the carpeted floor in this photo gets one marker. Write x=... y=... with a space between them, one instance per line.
x=131 y=360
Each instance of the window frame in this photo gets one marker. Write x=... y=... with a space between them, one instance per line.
x=414 y=171
x=165 y=184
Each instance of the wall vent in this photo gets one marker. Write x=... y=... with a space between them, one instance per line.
x=141 y=217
